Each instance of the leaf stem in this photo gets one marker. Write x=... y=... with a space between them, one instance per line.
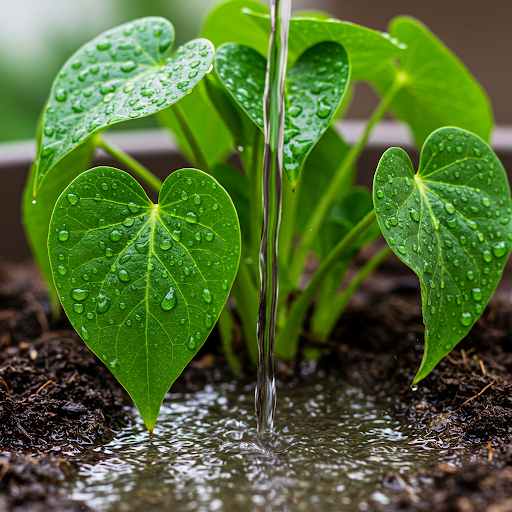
x=339 y=304
x=322 y=208
x=287 y=337
x=255 y=202
x=199 y=158
x=133 y=165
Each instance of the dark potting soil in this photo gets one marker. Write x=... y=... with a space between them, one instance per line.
x=58 y=401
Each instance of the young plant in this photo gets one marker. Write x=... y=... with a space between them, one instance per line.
x=144 y=283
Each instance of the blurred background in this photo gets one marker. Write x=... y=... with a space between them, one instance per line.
x=37 y=36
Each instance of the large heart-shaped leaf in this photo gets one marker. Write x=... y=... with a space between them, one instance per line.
x=314 y=88
x=437 y=89
x=450 y=223
x=123 y=74
x=143 y=284
x=369 y=50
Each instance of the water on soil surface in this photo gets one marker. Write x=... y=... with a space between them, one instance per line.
x=334 y=445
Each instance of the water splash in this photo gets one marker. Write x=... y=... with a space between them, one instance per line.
x=265 y=395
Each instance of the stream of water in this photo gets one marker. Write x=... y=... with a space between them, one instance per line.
x=339 y=448
x=273 y=115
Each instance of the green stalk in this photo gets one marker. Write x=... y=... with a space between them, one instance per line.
x=322 y=208
x=225 y=327
x=199 y=158
x=340 y=302
x=247 y=303
x=130 y=163
x=288 y=336
x=287 y=230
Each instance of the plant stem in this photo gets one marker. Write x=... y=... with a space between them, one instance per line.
x=340 y=302
x=225 y=327
x=247 y=301
x=130 y=163
x=199 y=158
x=287 y=338
x=322 y=208
x=254 y=174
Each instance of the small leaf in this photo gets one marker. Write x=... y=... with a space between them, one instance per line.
x=123 y=74
x=314 y=88
x=369 y=50
x=143 y=284
x=438 y=90
x=450 y=223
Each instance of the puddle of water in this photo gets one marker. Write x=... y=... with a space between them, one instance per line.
x=336 y=444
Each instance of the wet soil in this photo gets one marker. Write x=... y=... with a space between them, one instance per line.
x=57 y=401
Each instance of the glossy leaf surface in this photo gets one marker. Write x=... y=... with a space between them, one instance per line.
x=314 y=88
x=438 y=89
x=143 y=284
x=123 y=74
x=450 y=223
x=369 y=50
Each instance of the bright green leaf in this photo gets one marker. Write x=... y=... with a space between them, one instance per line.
x=122 y=74
x=143 y=284
x=229 y=23
x=438 y=89
x=368 y=50
x=36 y=216
x=450 y=223
x=313 y=91
x=206 y=126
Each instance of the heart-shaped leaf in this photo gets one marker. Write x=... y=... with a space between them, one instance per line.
x=314 y=88
x=450 y=223
x=123 y=74
x=437 y=89
x=143 y=284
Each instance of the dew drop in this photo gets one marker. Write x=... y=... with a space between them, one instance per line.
x=192 y=218
x=103 y=303
x=466 y=319
x=128 y=66
x=124 y=276
x=169 y=301
x=85 y=334
x=128 y=222
x=60 y=95
x=72 y=198
x=499 y=249
x=197 y=199
x=401 y=249
x=116 y=235
x=79 y=308
x=449 y=208
x=90 y=316
x=477 y=294
x=63 y=235
x=79 y=294
x=487 y=255
x=61 y=270
x=176 y=235
x=295 y=110
x=207 y=296
x=415 y=216
x=184 y=195
x=143 y=247
x=191 y=344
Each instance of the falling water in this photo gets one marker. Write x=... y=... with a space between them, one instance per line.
x=272 y=173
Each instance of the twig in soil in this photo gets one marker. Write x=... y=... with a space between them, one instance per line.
x=463 y=354
x=41 y=388
x=2 y=380
x=490 y=455
x=482 y=367
x=72 y=378
x=478 y=394
x=22 y=430
x=451 y=360
x=38 y=310
x=7 y=313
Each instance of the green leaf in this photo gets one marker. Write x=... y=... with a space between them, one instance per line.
x=123 y=74
x=36 y=216
x=229 y=23
x=143 y=284
x=368 y=50
x=318 y=170
x=204 y=122
x=450 y=223
x=314 y=88
x=438 y=90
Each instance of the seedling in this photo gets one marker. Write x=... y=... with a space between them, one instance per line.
x=143 y=284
